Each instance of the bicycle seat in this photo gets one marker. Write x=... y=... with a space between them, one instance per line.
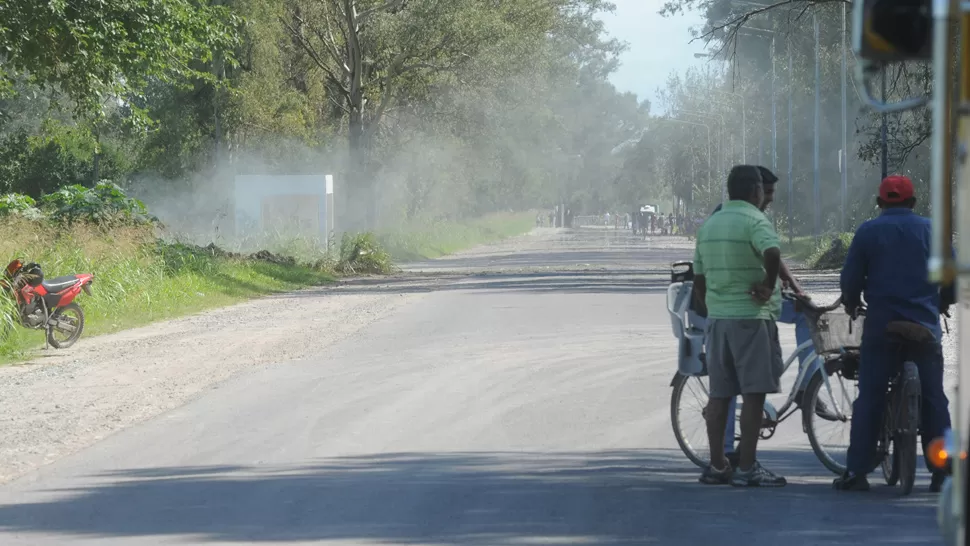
x=910 y=331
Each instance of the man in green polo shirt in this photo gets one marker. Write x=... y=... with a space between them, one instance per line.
x=736 y=264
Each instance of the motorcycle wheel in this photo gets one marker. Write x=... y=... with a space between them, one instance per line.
x=69 y=313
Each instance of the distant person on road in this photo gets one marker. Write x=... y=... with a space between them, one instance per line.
x=738 y=291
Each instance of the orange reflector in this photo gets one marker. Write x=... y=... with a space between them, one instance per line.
x=936 y=454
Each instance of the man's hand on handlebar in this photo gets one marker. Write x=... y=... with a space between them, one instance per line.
x=791 y=285
x=855 y=311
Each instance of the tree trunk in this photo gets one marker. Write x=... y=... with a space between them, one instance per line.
x=97 y=156
x=362 y=213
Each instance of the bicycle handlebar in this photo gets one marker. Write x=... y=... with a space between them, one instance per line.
x=807 y=302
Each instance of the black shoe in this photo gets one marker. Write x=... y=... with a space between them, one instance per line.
x=936 y=482
x=851 y=482
x=758 y=476
x=734 y=458
x=711 y=476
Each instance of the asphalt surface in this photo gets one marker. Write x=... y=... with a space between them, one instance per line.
x=523 y=400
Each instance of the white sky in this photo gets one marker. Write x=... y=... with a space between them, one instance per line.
x=657 y=45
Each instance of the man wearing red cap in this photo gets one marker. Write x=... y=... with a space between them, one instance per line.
x=887 y=262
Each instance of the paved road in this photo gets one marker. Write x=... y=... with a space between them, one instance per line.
x=523 y=400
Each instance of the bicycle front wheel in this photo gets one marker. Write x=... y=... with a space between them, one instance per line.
x=827 y=417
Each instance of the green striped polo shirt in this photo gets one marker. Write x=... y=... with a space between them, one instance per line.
x=729 y=252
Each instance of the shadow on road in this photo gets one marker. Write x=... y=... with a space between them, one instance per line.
x=604 y=497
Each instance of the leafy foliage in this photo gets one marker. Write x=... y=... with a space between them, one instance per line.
x=831 y=252
x=362 y=254
x=426 y=111
x=105 y=204
x=20 y=205
x=93 y=50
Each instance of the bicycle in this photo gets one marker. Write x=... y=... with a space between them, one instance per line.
x=688 y=326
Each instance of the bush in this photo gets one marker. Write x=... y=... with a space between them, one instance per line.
x=830 y=252
x=20 y=205
x=361 y=254
x=105 y=204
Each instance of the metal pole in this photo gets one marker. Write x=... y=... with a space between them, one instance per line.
x=774 y=123
x=817 y=108
x=744 y=140
x=885 y=131
x=791 y=183
x=845 y=131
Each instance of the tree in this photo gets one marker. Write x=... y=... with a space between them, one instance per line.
x=92 y=50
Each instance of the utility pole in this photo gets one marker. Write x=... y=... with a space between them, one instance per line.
x=791 y=184
x=885 y=130
x=774 y=123
x=844 y=166
x=816 y=190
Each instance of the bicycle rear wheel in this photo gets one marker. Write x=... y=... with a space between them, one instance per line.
x=907 y=427
x=687 y=403
x=888 y=452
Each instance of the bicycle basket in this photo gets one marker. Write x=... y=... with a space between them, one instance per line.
x=834 y=331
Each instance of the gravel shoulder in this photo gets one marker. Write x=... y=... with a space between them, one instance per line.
x=63 y=401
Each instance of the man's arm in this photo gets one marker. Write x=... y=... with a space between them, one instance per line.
x=852 y=280
x=773 y=265
x=700 y=293
x=700 y=281
x=788 y=279
x=765 y=241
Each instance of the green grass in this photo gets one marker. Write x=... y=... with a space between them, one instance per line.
x=420 y=241
x=137 y=280
x=800 y=250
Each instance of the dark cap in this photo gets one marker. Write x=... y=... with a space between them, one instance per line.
x=767 y=177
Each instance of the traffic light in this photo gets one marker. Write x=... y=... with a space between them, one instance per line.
x=893 y=30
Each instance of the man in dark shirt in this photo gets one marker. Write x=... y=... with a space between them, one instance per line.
x=887 y=262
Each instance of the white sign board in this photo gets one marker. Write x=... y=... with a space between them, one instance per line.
x=329 y=184
x=295 y=203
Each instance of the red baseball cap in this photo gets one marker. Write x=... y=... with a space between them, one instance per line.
x=896 y=189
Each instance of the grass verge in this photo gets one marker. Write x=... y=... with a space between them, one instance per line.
x=139 y=280
x=424 y=240
x=800 y=249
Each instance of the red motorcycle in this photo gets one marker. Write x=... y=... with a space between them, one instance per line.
x=45 y=304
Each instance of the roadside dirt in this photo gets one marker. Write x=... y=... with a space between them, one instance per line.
x=63 y=401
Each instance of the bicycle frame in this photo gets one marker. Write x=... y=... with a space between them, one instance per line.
x=826 y=380
x=811 y=360
x=786 y=410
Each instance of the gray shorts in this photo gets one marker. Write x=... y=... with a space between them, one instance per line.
x=743 y=357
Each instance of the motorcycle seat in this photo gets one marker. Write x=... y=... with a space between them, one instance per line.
x=58 y=284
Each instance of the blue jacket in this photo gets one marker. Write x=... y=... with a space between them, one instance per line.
x=887 y=263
